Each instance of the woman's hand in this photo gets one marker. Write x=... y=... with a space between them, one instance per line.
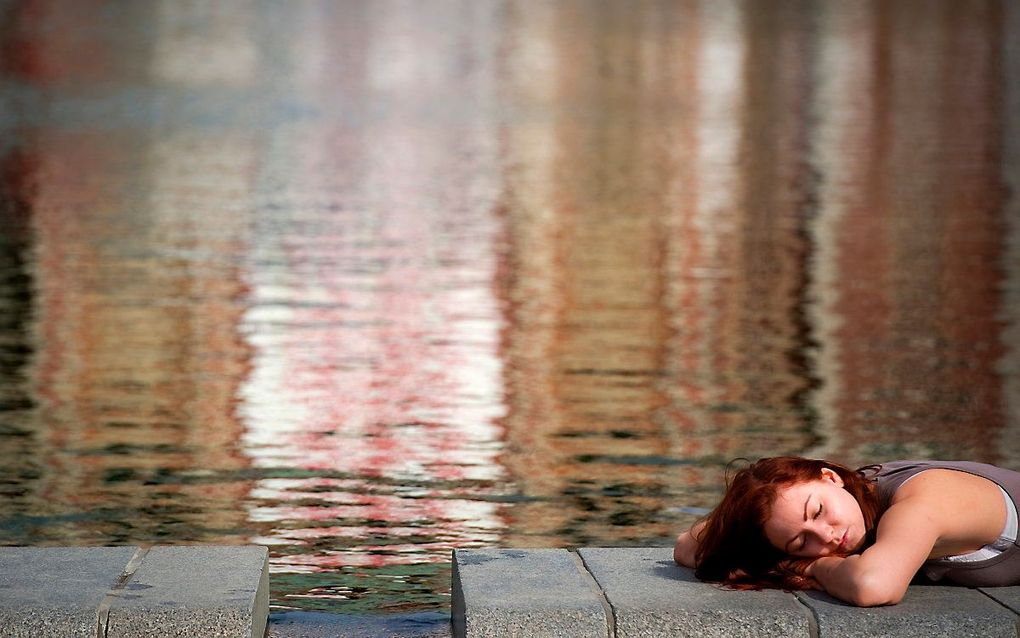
x=803 y=571
x=686 y=549
x=852 y=579
x=820 y=568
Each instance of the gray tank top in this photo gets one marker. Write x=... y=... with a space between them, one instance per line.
x=1000 y=570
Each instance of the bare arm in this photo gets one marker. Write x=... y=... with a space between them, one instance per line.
x=881 y=574
x=686 y=547
x=937 y=513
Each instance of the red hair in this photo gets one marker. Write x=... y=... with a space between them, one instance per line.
x=732 y=547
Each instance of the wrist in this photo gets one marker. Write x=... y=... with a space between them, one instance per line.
x=821 y=566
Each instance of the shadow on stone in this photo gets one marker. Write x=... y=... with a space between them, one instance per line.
x=669 y=570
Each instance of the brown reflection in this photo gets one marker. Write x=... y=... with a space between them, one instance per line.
x=739 y=277
x=651 y=299
x=1009 y=366
x=910 y=234
x=737 y=235
x=137 y=355
x=57 y=44
x=584 y=286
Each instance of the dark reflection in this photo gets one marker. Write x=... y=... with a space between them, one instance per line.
x=18 y=467
x=366 y=282
x=913 y=219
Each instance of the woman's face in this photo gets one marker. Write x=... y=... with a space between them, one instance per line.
x=817 y=518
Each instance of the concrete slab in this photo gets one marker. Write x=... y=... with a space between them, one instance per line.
x=1008 y=596
x=194 y=591
x=926 y=611
x=524 y=593
x=651 y=596
x=56 y=591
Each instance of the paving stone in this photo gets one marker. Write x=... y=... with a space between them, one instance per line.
x=194 y=591
x=652 y=596
x=524 y=593
x=56 y=591
x=1008 y=596
x=925 y=611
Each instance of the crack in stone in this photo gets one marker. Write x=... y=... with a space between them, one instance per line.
x=607 y=607
x=103 y=611
x=813 y=630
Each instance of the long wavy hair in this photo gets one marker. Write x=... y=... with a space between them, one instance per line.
x=733 y=549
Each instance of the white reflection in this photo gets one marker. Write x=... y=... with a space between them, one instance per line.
x=373 y=317
x=204 y=44
x=715 y=216
x=844 y=78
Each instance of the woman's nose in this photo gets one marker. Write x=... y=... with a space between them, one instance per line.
x=826 y=534
x=830 y=535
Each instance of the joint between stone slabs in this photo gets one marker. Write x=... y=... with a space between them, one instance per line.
x=813 y=630
x=103 y=611
x=1003 y=605
x=607 y=607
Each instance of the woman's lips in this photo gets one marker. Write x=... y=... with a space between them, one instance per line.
x=842 y=541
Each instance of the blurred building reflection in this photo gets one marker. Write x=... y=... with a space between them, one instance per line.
x=656 y=256
x=19 y=462
x=738 y=245
x=136 y=355
x=583 y=289
x=377 y=335
x=909 y=263
x=1009 y=366
x=759 y=269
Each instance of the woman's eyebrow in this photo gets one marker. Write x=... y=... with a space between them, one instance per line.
x=786 y=548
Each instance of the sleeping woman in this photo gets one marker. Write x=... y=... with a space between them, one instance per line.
x=862 y=536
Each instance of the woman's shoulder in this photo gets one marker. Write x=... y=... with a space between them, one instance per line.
x=891 y=476
x=963 y=509
x=953 y=487
x=902 y=470
x=940 y=483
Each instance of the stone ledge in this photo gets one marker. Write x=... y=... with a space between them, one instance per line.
x=651 y=596
x=57 y=591
x=538 y=592
x=529 y=592
x=926 y=610
x=122 y=592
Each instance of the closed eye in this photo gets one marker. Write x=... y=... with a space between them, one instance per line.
x=819 y=512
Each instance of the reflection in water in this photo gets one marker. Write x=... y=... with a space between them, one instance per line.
x=18 y=467
x=369 y=282
x=913 y=312
x=137 y=358
x=1009 y=285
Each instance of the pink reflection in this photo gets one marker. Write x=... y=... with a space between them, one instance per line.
x=384 y=363
x=377 y=329
x=369 y=556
